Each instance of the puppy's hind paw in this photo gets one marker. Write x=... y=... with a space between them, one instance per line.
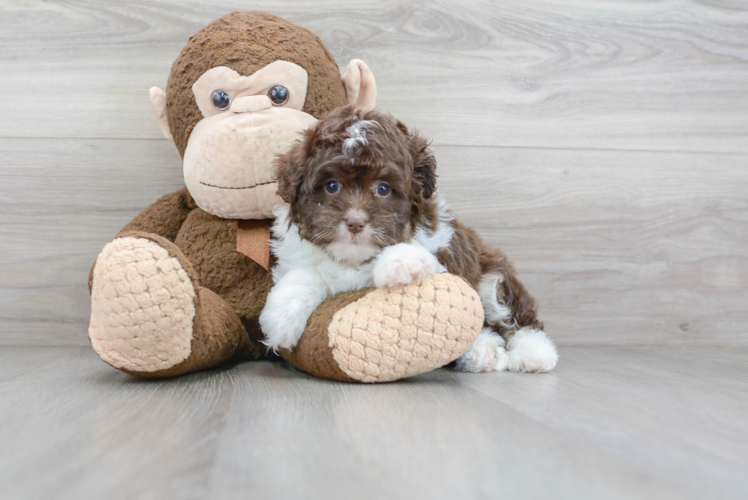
x=531 y=350
x=403 y=264
x=487 y=354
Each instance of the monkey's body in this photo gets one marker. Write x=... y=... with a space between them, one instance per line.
x=230 y=290
x=171 y=294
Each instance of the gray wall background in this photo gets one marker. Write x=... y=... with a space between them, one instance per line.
x=603 y=145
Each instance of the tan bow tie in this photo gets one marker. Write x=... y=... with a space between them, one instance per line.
x=253 y=240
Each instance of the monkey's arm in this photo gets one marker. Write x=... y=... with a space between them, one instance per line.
x=163 y=218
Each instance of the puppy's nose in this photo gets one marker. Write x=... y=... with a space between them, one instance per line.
x=355 y=224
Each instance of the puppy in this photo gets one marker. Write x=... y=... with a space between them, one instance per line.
x=363 y=211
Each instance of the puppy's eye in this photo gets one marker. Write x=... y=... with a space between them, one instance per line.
x=278 y=95
x=332 y=187
x=384 y=190
x=221 y=100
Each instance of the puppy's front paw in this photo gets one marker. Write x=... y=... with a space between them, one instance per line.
x=403 y=264
x=288 y=307
x=283 y=322
x=487 y=354
x=531 y=351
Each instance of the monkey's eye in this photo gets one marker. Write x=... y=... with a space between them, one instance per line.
x=332 y=187
x=221 y=100
x=384 y=190
x=278 y=95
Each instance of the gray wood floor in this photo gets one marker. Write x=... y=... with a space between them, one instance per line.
x=611 y=422
x=603 y=145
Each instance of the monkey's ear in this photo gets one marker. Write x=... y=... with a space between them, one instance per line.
x=424 y=163
x=360 y=85
x=158 y=103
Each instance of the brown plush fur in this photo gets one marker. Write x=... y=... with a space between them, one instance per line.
x=208 y=245
x=246 y=42
x=401 y=159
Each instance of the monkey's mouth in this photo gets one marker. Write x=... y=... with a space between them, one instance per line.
x=232 y=187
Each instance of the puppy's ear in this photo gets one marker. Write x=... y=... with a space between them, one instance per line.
x=290 y=168
x=424 y=163
x=425 y=171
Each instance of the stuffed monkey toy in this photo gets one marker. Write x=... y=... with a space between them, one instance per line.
x=181 y=287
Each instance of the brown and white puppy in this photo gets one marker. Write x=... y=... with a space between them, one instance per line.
x=363 y=211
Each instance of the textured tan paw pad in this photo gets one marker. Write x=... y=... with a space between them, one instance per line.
x=399 y=332
x=142 y=306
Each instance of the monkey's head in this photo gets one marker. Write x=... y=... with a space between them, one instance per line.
x=239 y=94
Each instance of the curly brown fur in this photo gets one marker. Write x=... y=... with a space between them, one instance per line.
x=407 y=167
x=468 y=257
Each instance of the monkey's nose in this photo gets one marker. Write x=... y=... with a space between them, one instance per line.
x=251 y=104
x=355 y=224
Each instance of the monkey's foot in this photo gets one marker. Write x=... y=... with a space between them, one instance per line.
x=142 y=306
x=150 y=318
x=387 y=334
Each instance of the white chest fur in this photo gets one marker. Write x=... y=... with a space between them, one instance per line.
x=293 y=252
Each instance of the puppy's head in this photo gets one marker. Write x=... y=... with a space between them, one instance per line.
x=356 y=183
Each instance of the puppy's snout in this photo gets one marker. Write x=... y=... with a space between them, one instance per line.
x=355 y=224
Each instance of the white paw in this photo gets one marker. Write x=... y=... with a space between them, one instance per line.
x=487 y=354
x=283 y=322
x=403 y=264
x=288 y=307
x=531 y=350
